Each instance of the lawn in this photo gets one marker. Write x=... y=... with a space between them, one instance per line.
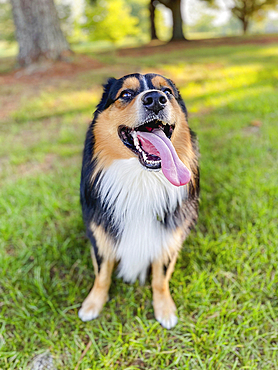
x=225 y=281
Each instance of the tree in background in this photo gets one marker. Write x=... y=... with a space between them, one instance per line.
x=110 y=20
x=152 y=20
x=6 y=22
x=247 y=10
x=148 y=16
x=175 y=7
x=38 y=31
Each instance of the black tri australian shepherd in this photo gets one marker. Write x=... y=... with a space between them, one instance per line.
x=139 y=188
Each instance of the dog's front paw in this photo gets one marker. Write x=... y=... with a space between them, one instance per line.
x=88 y=313
x=92 y=307
x=168 y=321
x=164 y=312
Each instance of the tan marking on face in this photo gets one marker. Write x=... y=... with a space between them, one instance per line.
x=159 y=82
x=131 y=83
x=108 y=145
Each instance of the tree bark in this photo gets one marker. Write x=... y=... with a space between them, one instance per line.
x=245 y=24
x=175 y=7
x=177 y=21
x=152 y=21
x=38 y=31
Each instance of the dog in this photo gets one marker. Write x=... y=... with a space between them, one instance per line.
x=139 y=188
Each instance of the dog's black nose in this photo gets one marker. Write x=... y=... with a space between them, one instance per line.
x=154 y=100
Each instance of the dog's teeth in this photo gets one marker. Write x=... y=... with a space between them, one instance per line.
x=151 y=162
x=135 y=139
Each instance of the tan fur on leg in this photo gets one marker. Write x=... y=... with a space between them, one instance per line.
x=163 y=304
x=98 y=296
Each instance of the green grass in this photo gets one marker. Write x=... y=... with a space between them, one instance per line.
x=225 y=281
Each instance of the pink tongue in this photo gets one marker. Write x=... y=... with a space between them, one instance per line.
x=156 y=142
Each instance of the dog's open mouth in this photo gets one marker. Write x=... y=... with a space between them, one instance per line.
x=148 y=157
x=151 y=142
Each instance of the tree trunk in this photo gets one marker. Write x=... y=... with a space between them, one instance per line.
x=153 y=29
x=177 y=21
x=175 y=7
x=38 y=31
x=245 y=24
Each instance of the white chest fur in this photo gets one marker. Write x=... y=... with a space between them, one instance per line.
x=139 y=199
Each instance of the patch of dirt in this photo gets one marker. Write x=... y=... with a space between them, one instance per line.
x=251 y=130
x=29 y=81
x=10 y=105
x=49 y=70
x=159 y=47
x=254 y=128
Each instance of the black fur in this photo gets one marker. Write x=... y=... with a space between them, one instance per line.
x=90 y=235
x=165 y=268
x=92 y=208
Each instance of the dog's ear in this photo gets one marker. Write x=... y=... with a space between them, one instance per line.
x=105 y=100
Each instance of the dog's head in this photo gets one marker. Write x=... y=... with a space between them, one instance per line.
x=144 y=116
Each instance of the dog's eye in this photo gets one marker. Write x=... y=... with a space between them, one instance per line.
x=167 y=91
x=126 y=94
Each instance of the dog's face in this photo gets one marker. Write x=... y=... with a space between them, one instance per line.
x=144 y=116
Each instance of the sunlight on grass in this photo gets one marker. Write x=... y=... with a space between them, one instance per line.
x=51 y=104
x=235 y=99
x=206 y=73
x=228 y=80
x=268 y=51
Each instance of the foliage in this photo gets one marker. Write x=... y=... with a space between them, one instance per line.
x=110 y=20
x=247 y=10
x=139 y=10
x=204 y=23
x=163 y=31
x=7 y=30
x=225 y=282
x=71 y=23
x=232 y=27
x=64 y=14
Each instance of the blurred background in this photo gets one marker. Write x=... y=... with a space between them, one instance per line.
x=54 y=58
x=95 y=23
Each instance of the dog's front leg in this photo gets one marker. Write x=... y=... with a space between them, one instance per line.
x=163 y=304
x=98 y=296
